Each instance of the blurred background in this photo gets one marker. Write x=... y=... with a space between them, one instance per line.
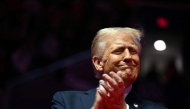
x=45 y=48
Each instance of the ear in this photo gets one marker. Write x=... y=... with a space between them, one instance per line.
x=98 y=64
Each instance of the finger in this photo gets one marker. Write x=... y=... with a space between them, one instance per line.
x=120 y=87
x=119 y=73
x=118 y=79
x=104 y=87
x=105 y=97
x=102 y=94
x=108 y=99
x=102 y=82
x=110 y=81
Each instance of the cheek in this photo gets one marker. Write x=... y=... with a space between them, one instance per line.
x=116 y=58
x=136 y=60
x=111 y=63
x=113 y=59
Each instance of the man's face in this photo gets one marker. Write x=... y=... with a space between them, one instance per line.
x=122 y=54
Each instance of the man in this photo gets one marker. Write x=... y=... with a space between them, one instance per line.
x=115 y=58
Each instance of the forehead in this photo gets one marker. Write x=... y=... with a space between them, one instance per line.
x=120 y=39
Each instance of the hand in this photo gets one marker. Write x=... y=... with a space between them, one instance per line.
x=99 y=102
x=114 y=90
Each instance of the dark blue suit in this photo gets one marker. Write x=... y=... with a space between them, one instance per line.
x=85 y=100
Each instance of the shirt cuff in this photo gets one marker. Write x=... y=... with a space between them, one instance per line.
x=127 y=106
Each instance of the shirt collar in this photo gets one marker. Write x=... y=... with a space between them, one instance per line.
x=127 y=90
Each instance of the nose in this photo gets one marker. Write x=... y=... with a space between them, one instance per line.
x=127 y=56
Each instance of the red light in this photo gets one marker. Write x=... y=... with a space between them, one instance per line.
x=162 y=22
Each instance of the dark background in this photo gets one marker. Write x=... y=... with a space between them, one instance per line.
x=45 y=48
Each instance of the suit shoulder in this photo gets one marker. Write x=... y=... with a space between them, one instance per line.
x=73 y=99
x=70 y=93
x=74 y=92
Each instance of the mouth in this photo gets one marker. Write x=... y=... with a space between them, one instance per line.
x=126 y=70
x=124 y=67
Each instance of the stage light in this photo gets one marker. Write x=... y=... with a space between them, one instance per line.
x=162 y=22
x=160 y=45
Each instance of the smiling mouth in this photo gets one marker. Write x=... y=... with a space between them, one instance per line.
x=123 y=67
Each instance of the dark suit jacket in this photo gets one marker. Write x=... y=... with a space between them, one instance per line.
x=85 y=100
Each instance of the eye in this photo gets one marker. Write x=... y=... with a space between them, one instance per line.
x=118 y=51
x=133 y=51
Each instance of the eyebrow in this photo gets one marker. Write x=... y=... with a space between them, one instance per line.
x=123 y=45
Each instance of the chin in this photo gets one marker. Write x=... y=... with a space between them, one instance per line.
x=129 y=78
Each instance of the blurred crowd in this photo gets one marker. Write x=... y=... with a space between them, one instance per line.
x=35 y=33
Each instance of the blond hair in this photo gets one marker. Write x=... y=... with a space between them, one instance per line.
x=99 y=42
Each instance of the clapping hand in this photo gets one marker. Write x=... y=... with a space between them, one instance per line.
x=112 y=91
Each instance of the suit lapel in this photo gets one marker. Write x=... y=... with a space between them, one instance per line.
x=87 y=99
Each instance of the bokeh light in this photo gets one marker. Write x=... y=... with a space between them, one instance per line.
x=160 y=45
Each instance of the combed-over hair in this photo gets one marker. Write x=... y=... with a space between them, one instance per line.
x=98 y=45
